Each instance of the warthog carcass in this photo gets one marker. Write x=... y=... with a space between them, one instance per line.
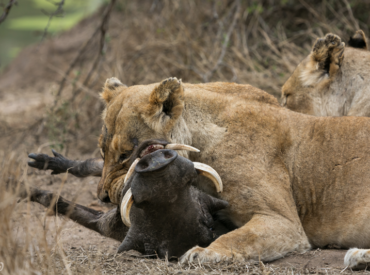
x=163 y=214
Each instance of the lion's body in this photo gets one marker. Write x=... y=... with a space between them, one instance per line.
x=292 y=181
x=332 y=81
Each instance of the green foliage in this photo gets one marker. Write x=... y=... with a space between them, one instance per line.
x=27 y=21
x=255 y=7
x=74 y=12
x=32 y=23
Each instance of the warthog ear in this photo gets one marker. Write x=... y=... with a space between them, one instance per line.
x=213 y=204
x=358 y=40
x=166 y=103
x=111 y=89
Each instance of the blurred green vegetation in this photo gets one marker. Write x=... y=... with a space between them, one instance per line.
x=26 y=23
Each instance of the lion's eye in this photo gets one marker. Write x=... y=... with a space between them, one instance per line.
x=102 y=153
x=122 y=157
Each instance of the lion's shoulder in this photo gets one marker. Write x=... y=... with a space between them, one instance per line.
x=244 y=91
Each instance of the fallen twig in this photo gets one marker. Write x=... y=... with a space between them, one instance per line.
x=103 y=30
x=58 y=12
x=209 y=74
x=7 y=10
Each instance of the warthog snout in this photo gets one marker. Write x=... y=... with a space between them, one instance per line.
x=155 y=161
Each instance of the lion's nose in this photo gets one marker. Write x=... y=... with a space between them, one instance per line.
x=156 y=160
x=104 y=197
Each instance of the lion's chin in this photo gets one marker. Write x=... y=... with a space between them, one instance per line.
x=115 y=192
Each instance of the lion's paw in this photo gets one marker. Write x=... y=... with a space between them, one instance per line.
x=198 y=254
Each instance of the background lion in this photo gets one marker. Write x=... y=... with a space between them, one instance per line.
x=333 y=80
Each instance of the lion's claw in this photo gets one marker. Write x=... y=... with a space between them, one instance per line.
x=201 y=255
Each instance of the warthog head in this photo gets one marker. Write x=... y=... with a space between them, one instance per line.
x=165 y=213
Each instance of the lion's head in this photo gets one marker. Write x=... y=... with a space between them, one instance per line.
x=150 y=113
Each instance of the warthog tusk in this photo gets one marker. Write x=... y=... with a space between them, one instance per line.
x=131 y=170
x=126 y=204
x=209 y=172
x=175 y=146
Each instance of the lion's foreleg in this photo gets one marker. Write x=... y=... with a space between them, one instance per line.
x=263 y=238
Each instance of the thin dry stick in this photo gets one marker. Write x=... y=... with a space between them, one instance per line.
x=354 y=21
x=309 y=8
x=103 y=30
x=73 y=64
x=70 y=80
x=59 y=11
x=7 y=10
x=209 y=74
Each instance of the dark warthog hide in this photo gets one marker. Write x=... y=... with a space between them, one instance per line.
x=166 y=213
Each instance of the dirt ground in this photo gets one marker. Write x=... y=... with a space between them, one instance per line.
x=137 y=51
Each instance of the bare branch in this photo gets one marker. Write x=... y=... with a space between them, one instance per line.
x=355 y=23
x=102 y=28
x=59 y=11
x=7 y=10
x=73 y=64
x=209 y=74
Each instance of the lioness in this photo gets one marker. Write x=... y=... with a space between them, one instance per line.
x=333 y=80
x=292 y=181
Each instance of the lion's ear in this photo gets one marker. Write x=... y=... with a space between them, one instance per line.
x=166 y=103
x=358 y=40
x=112 y=88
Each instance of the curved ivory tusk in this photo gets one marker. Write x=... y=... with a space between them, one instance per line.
x=175 y=146
x=131 y=170
x=209 y=172
x=126 y=204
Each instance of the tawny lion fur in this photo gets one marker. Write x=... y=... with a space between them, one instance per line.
x=333 y=80
x=292 y=181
